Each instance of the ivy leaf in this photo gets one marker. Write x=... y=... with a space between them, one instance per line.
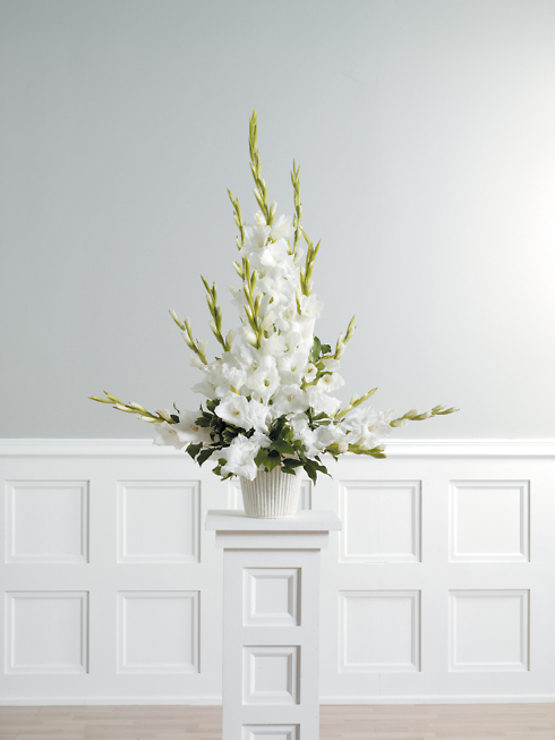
x=321 y=469
x=204 y=455
x=310 y=470
x=291 y=463
x=194 y=449
x=282 y=446
x=273 y=460
x=316 y=349
x=261 y=456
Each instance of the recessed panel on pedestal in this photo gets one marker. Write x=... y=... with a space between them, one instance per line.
x=47 y=521
x=46 y=632
x=158 y=521
x=270 y=732
x=270 y=674
x=489 y=630
x=158 y=632
x=489 y=521
x=381 y=521
x=271 y=596
x=379 y=631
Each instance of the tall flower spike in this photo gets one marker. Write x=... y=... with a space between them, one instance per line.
x=240 y=241
x=216 y=313
x=297 y=202
x=260 y=191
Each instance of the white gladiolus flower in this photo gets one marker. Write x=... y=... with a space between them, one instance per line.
x=290 y=399
x=256 y=236
x=306 y=435
x=330 y=382
x=310 y=372
x=195 y=361
x=205 y=387
x=235 y=410
x=231 y=379
x=182 y=434
x=320 y=401
x=333 y=434
x=188 y=430
x=283 y=228
x=265 y=379
x=166 y=434
x=366 y=427
x=259 y=413
x=311 y=306
x=274 y=345
x=331 y=365
x=291 y=367
x=276 y=255
x=239 y=457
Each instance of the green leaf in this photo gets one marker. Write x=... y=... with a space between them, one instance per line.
x=261 y=457
x=202 y=421
x=310 y=471
x=194 y=449
x=282 y=446
x=291 y=463
x=316 y=349
x=322 y=469
x=204 y=455
x=272 y=461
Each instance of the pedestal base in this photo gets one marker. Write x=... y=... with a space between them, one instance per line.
x=271 y=623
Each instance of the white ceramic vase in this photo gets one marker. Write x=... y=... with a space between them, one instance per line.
x=271 y=495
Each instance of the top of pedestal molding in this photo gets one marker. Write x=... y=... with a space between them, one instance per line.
x=305 y=521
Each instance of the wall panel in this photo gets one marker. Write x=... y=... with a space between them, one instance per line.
x=438 y=589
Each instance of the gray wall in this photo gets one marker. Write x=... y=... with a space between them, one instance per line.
x=425 y=130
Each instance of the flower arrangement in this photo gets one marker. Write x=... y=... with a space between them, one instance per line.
x=269 y=399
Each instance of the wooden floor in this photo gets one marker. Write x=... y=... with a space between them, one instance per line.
x=419 y=722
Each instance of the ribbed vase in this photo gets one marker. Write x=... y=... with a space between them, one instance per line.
x=271 y=495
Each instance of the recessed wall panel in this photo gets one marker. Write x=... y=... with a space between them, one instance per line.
x=47 y=521
x=379 y=631
x=489 y=630
x=489 y=521
x=158 y=632
x=158 y=521
x=46 y=632
x=381 y=521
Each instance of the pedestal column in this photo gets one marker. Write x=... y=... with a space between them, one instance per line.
x=271 y=623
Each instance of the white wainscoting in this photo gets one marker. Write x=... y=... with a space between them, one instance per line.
x=440 y=588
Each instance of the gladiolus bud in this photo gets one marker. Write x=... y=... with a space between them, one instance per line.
x=164 y=413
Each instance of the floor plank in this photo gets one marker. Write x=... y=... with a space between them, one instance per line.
x=392 y=722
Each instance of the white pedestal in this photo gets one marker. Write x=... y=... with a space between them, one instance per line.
x=271 y=623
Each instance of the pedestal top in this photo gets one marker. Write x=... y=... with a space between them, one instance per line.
x=224 y=520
